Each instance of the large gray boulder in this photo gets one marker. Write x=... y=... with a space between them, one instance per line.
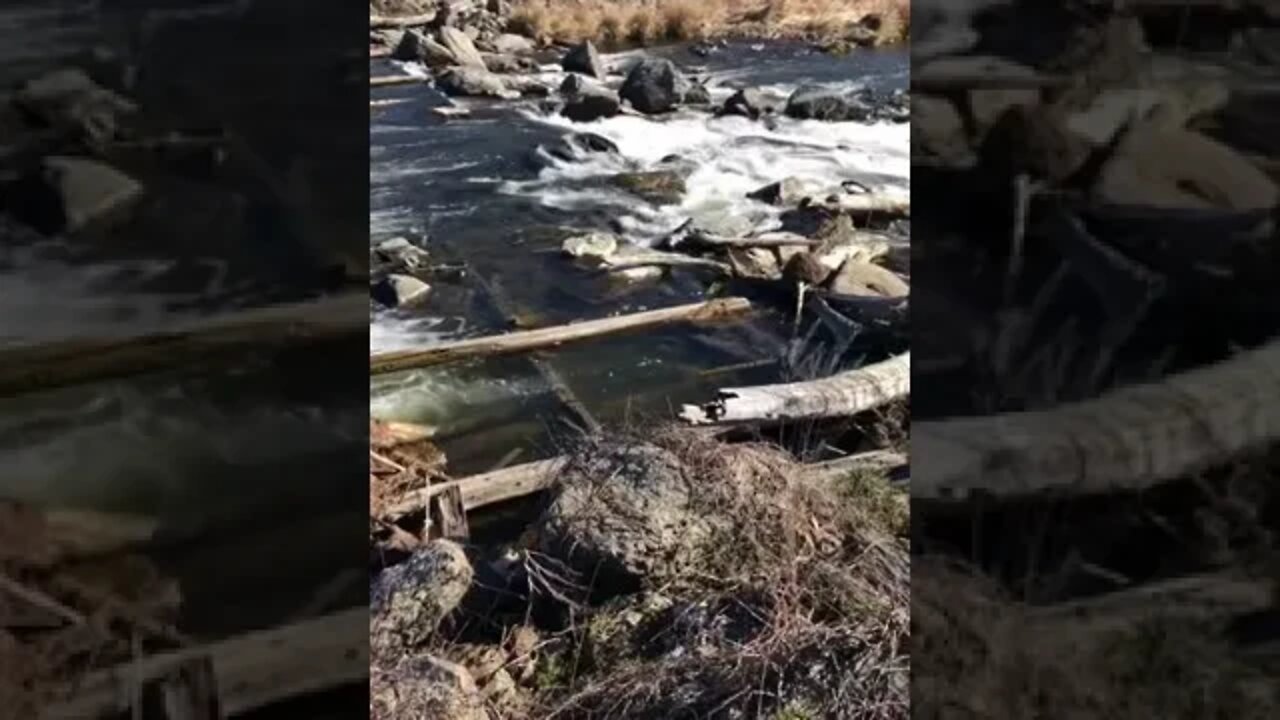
x=463 y=49
x=655 y=86
x=586 y=101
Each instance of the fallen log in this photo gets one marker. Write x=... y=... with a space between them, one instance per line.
x=391 y=80
x=26 y=369
x=529 y=340
x=379 y=52
x=875 y=203
x=766 y=240
x=844 y=394
x=1130 y=439
x=393 y=22
x=251 y=671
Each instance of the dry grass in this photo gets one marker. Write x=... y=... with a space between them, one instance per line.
x=615 y=23
x=797 y=605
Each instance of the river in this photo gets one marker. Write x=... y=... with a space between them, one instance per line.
x=478 y=192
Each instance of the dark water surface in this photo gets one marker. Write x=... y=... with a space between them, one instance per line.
x=473 y=191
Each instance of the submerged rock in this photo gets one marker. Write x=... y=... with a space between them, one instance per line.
x=396 y=291
x=584 y=58
x=655 y=86
x=662 y=186
x=409 y=601
x=412 y=47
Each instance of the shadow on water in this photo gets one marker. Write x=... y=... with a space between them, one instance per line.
x=448 y=185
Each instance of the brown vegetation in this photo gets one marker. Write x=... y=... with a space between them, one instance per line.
x=644 y=22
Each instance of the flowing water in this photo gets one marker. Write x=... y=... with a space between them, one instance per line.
x=482 y=191
x=213 y=456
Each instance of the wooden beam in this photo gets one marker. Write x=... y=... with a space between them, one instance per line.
x=393 y=22
x=26 y=369
x=844 y=394
x=251 y=671
x=530 y=340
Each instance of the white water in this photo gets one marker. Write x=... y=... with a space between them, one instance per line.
x=734 y=156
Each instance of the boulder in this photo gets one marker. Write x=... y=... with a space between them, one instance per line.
x=412 y=47
x=654 y=86
x=586 y=101
x=509 y=64
x=627 y=513
x=509 y=44
x=697 y=94
x=864 y=279
x=592 y=246
x=937 y=128
x=817 y=103
x=395 y=291
x=409 y=601
x=436 y=55
x=473 y=82
x=752 y=103
x=584 y=58
x=66 y=194
x=461 y=46
x=424 y=687
x=70 y=100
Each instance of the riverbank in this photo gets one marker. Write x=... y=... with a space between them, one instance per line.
x=838 y=25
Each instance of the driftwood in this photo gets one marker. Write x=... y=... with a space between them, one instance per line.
x=519 y=481
x=874 y=203
x=636 y=259
x=30 y=368
x=390 y=80
x=1129 y=439
x=530 y=340
x=766 y=240
x=843 y=394
x=251 y=671
x=379 y=52
x=391 y=22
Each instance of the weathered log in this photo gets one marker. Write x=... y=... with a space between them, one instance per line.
x=379 y=52
x=251 y=670
x=31 y=368
x=390 y=80
x=886 y=205
x=529 y=340
x=766 y=240
x=844 y=394
x=1129 y=439
x=392 y=22
x=636 y=259
x=487 y=488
